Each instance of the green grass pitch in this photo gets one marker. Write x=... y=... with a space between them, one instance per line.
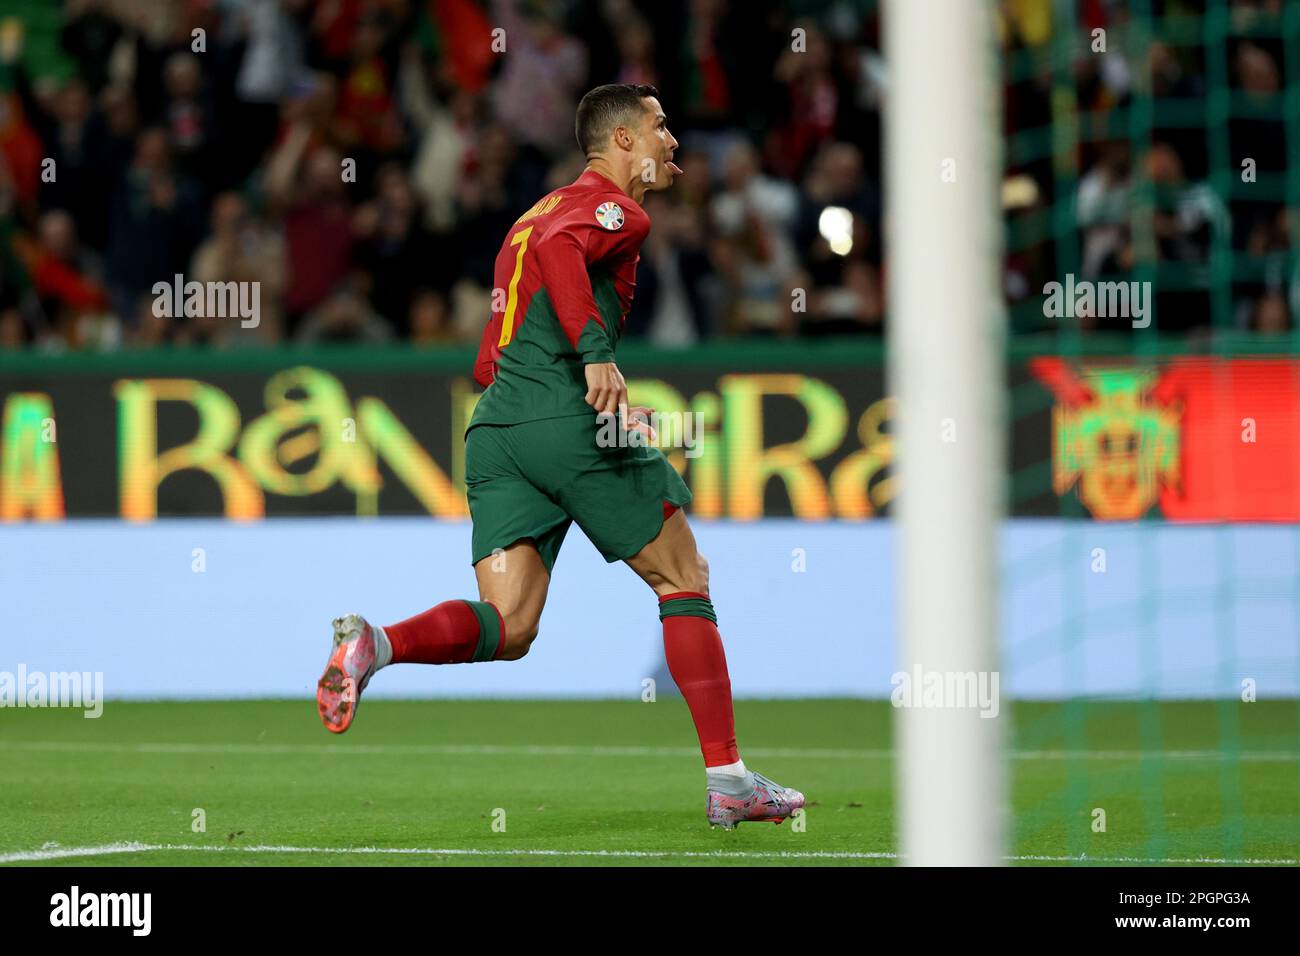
x=616 y=783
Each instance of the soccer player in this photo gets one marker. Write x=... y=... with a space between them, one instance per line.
x=534 y=464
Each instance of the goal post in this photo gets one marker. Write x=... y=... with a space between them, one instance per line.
x=945 y=366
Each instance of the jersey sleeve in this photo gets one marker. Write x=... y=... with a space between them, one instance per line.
x=485 y=365
x=576 y=242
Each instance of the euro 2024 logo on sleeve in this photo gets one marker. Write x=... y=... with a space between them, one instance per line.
x=610 y=215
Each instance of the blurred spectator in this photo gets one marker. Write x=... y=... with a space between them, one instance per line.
x=367 y=107
x=66 y=277
x=1168 y=77
x=754 y=215
x=394 y=247
x=709 y=64
x=156 y=220
x=154 y=328
x=273 y=64
x=90 y=34
x=1271 y=315
x=855 y=304
x=811 y=103
x=76 y=141
x=670 y=304
x=1186 y=214
x=430 y=320
x=636 y=53
x=448 y=135
x=542 y=75
x=1103 y=208
x=344 y=317
x=190 y=116
x=313 y=204
x=242 y=249
x=487 y=206
x=14 y=333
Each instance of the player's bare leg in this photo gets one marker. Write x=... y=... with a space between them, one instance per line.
x=515 y=582
x=500 y=626
x=674 y=568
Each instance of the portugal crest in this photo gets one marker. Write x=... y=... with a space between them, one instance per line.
x=610 y=215
x=1112 y=437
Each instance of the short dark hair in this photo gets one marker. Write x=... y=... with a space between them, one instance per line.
x=604 y=108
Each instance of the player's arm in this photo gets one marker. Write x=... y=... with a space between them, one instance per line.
x=485 y=365
x=573 y=245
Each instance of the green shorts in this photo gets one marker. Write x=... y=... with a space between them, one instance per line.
x=533 y=479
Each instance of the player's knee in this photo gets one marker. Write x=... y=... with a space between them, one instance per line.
x=521 y=630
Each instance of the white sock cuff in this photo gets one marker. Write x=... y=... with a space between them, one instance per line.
x=383 y=649
x=736 y=769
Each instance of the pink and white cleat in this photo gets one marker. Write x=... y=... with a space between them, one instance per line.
x=767 y=801
x=350 y=666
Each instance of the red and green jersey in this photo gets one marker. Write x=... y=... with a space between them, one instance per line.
x=564 y=278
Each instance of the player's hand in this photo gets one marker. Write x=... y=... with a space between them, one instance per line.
x=637 y=419
x=606 y=390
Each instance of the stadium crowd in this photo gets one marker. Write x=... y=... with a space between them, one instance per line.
x=361 y=160
x=1179 y=176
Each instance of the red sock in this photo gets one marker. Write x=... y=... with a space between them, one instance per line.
x=693 y=648
x=453 y=632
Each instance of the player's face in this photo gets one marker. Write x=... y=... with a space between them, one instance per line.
x=658 y=145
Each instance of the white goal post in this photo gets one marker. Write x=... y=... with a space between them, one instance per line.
x=945 y=356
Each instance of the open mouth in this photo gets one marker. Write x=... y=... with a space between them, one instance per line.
x=673 y=167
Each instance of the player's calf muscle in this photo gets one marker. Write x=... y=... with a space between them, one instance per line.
x=680 y=575
x=672 y=562
x=703 y=569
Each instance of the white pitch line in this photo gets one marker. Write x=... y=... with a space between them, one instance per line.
x=58 y=853
x=1245 y=756
x=483 y=750
x=520 y=750
x=62 y=853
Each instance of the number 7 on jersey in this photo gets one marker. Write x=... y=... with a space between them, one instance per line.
x=519 y=239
